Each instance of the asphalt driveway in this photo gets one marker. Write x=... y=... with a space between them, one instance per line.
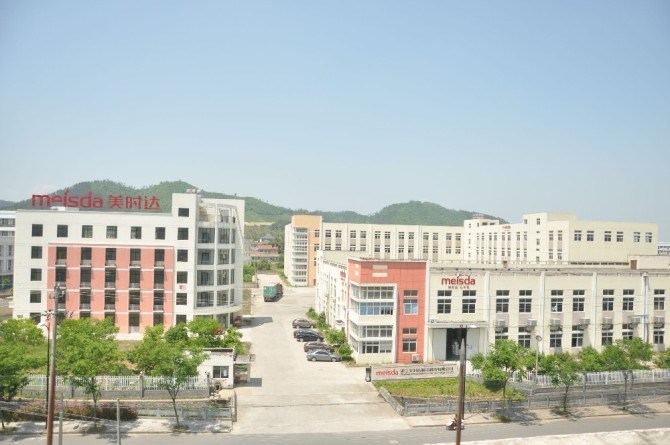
x=288 y=394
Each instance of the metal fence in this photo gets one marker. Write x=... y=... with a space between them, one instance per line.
x=125 y=386
x=606 y=378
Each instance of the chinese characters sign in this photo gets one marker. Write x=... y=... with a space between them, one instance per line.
x=89 y=201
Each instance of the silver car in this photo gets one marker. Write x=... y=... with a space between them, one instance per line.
x=322 y=356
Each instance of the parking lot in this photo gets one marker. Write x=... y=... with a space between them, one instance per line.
x=287 y=393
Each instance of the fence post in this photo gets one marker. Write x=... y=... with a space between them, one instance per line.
x=141 y=385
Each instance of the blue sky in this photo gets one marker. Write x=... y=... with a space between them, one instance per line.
x=501 y=107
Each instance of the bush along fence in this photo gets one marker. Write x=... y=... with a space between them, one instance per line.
x=124 y=387
x=596 y=388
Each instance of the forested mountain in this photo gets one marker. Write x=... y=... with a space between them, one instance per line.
x=413 y=212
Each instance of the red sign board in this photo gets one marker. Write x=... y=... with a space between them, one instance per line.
x=89 y=201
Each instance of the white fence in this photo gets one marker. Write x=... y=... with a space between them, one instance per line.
x=608 y=378
x=38 y=382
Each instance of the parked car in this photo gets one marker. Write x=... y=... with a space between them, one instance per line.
x=309 y=336
x=315 y=345
x=303 y=323
x=299 y=330
x=322 y=356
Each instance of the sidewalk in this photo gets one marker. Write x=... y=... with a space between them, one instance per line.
x=164 y=425
x=539 y=415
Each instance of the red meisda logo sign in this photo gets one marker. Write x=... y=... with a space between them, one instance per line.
x=89 y=201
x=459 y=281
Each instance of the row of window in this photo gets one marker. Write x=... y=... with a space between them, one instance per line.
x=205 y=235
x=607 y=236
x=362 y=234
x=577 y=337
x=204 y=299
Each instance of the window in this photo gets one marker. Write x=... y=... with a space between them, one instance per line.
x=35 y=274
x=182 y=277
x=409 y=345
x=469 y=293
x=659 y=303
x=577 y=337
x=556 y=305
x=378 y=234
x=363 y=234
x=607 y=338
x=338 y=234
x=136 y=232
x=556 y=340
x=627 y=332
x=35 y=296
x=608 y=303
x=160 y=233
x=444 y=306
x=36 y=252
x=411 y=306
x=647 y=237
x=87 y=231
x=628 y=303
x=658 y=337
x=469 y=306
x=619 y=237
x=181 y=299
x=589 y=235
x=37 y=230
x=220 y=372
x=352 y=234
x=502 y=305
x=182 y=255
x=578 y=304
x=183 y=212
x=410 y=235
x=61 y=231
x=525 y=305
x=578 y=235
x=182 y=233
x=524 y=340
x=636 y=237
x=158 y=318
x=111 y=232
x=608 y=236
x=181 y=318
x=501 y=334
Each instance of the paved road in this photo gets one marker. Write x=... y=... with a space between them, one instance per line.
x=287 y=393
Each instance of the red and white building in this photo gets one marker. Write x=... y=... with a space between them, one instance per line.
x=138 y=268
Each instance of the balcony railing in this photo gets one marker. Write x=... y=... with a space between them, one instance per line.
x=133 y=329
x=135 y=264
x=110 y=285
x=110 y=263
x=134 y=307
x=159 y=285
x=85 y=285
x=158 y=308
x=134 y=285
x=84 y=306
x=61 y=261
x=85 y=263
x=159 y=264
x=110 y=306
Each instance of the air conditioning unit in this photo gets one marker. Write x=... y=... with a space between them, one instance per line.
x=415 y=358
x=607 y=322
x=635 y=320
x=584 y=322
x=659 y=321
x=531 y=323
x=500 y=325
x=555 y=324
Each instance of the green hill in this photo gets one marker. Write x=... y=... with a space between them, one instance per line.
x=413 y=212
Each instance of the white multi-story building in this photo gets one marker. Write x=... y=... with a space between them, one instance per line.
x=542 y=239
x=7 y=222
x=139 y=269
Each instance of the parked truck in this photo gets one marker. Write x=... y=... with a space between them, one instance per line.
x=272 y=292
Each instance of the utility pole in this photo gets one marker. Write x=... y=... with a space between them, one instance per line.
x=52 y=366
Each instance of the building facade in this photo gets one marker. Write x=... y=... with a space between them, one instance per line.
x=139 y=269
x=542 y=239
x=397 y=311
x=7 y=228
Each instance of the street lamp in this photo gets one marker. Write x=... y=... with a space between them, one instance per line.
x=537 y=355
x=51 y=405
x=46 y=397
x=463 y=341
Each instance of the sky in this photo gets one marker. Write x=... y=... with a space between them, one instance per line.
x=499 y=107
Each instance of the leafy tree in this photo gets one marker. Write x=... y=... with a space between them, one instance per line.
x=505 y=358
x=626 y=355
x=590 y=360
x=169 y=356
x=232 y=338
x=87 y=348
x=563 y=370
x=16 y=334
x=662 y=359
x=207 y=332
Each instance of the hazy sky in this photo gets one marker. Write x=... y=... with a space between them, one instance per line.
x=502 y=107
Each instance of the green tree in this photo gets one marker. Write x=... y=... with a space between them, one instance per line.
x=590 y=360
x=505 y=359
x=16 y=335
x=173 y=359
x=563 y=370
x=626 y=355
x=206 y=332
x=87 y=348
x=232 y=338
x=662 y=359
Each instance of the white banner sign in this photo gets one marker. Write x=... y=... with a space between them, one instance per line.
x=413 y=372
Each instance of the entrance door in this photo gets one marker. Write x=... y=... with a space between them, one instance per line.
x=453 y=350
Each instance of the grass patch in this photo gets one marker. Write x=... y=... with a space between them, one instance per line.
x=446 y=387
